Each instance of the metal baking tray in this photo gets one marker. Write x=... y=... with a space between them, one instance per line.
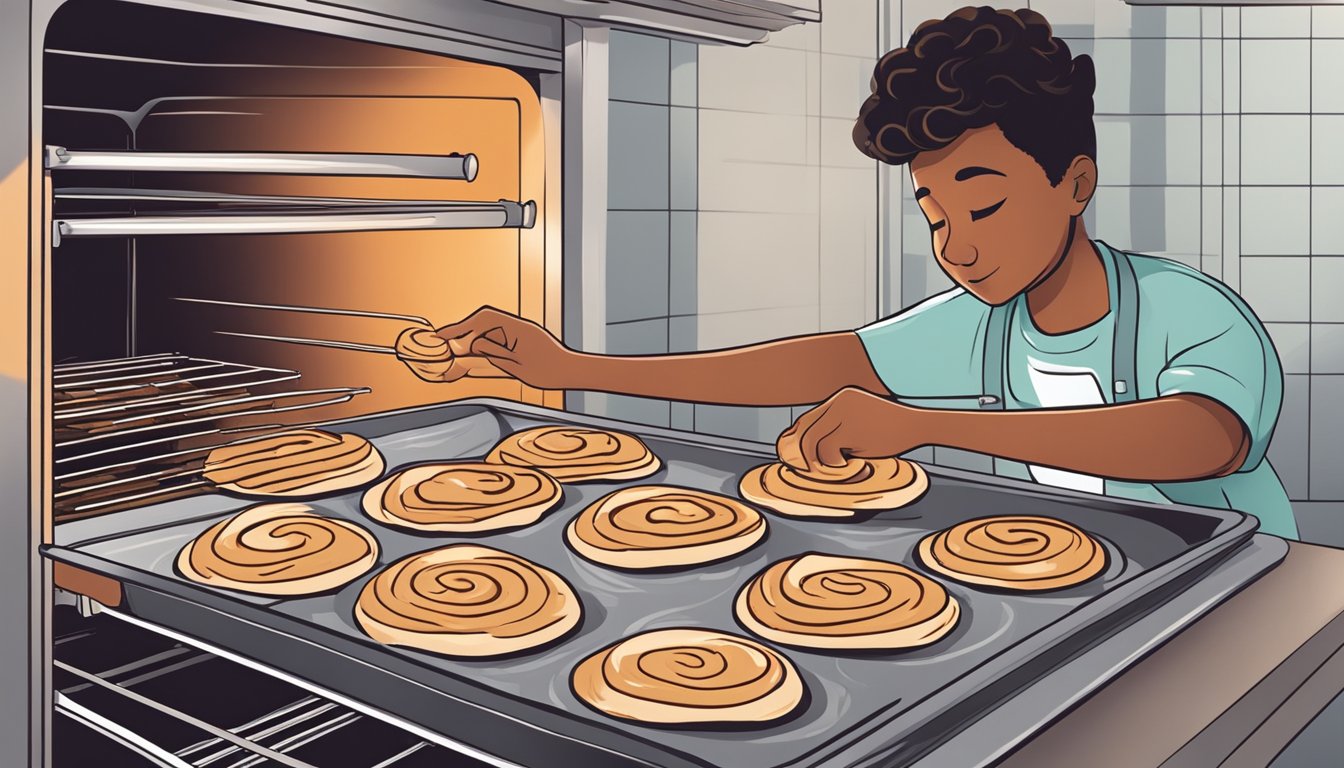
x=889 y=707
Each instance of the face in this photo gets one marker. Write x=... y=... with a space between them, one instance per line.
x=997 y=224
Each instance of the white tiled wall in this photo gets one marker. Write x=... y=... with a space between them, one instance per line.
x=739 y=210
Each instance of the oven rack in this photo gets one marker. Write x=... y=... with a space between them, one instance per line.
x=386 y=216
x=177 y=705
x=137 y=429
x=460 y=167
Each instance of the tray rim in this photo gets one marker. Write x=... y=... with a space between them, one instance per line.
x=1233 y=528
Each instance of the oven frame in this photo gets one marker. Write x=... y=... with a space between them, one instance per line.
x=571 y=60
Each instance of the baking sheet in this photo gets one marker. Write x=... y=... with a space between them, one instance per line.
x=905 y=702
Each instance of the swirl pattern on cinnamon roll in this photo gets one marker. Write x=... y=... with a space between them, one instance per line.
x=279 y=549
x=299 y=462
x=689 y=676
x=462 y=497
x=659 y=526
x=1025 y=553
x=433 y=358
x=861 y=485
x=577 y=454
x=824 y=601
x=467 y=600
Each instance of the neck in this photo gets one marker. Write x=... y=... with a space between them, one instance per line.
x=1072 y=294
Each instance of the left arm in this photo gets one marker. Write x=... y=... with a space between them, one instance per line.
x=1172 y=438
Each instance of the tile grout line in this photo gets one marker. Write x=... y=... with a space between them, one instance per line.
x=1311 y=177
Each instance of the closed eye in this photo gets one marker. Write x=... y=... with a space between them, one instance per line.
x=983 y=212
x=937 y=225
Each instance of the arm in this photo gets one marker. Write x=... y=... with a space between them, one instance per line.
x=1179 y=437
x=794 y=371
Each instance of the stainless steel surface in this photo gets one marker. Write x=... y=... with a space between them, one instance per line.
x=265 y=705
x=136 y=403
x=181 y=705
x=312 y=310
x=986 y=741
x=1000 y=636
x=353 y=346
x=101 y=454
x=166 y=370
x=460 y=167
x=741 y=22
x=455 y=215
x=143 y=746
x=341 y=395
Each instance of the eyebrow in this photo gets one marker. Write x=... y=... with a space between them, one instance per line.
x=969 y=172
x=975 y=170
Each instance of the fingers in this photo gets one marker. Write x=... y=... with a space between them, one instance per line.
x=831 y=450
x=481 y=321
x=789 y=445
x=484 y=346
x=810 y=441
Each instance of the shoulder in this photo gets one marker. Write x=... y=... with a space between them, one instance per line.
x=1171 y=289
x=954 y=306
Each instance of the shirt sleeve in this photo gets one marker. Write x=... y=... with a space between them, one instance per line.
x=1217 y=348
x=931 y=349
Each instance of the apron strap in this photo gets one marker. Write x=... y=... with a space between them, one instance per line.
x=1124 y=348
x=991 y=371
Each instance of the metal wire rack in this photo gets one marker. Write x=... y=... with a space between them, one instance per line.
x=137 y=429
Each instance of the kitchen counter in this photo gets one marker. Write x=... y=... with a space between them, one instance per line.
x=1231 y=690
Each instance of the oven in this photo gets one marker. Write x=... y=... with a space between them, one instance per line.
x=215 y=188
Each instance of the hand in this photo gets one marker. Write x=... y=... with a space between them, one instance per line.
x=518 y=347
x=852 y=423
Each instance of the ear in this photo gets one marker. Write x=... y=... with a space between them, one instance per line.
x=1080 y=182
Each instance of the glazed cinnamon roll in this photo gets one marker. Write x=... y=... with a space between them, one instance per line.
x=689 y=676
x=657 y=526
x=467 y=600
x=1014 y=552
x=824 y=601
x=577 y=454
x=433 y=358
x=462 y=497
x=279 y=549
x=861 y=485
x=300 y=462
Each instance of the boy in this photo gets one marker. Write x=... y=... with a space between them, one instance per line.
x=1071 y=362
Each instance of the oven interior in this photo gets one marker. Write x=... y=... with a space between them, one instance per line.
x=204 y=168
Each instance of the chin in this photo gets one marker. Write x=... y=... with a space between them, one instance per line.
x=989 y=293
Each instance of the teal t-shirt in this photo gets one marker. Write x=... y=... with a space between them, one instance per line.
x=1195 y=335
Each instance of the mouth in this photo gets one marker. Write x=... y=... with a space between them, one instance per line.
x=976 y=280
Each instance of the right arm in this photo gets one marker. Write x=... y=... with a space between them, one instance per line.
x=793 y=371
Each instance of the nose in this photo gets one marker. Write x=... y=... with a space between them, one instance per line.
x=960 y=252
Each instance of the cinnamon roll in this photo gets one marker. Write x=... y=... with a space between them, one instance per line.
x=689 y=676
x=279 y=549
x=462 y=497
x=824 y=601
x=467 y=600
x=577 y=454
x=433 y=358
x=861 y=485
x=300 y=462
x=1014 y=552
x=657 y=526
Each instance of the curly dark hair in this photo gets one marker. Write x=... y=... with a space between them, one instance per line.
x=976 y=67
